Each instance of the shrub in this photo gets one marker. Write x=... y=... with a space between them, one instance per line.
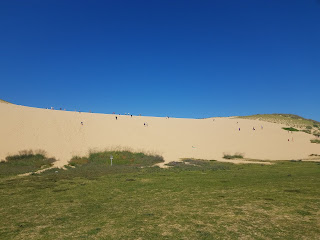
x=315 y=141
x=235 y=156
x=291 y=129
x=24 y=162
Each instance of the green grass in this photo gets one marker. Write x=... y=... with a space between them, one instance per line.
x=291 y=129
x=235 y=156
x=191 y=200
x=315 y=141
x=24 y=162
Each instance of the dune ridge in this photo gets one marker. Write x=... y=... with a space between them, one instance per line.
x=63 y=134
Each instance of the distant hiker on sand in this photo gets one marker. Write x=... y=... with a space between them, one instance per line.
x=81 y=123
x=131 y=115
x=116 y=118
x=239 y=129
x=261 y=127
x=253 y=128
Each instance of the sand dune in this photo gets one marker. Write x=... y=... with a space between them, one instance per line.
x=61 y=135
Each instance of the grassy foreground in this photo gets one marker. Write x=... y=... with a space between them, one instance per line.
x=191 y=200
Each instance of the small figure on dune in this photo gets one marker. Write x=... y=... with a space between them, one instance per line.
x=81 y=123
x=261 y=127
x=239 y=129
x=131 y=115
x=116 y=118
x=253 y=129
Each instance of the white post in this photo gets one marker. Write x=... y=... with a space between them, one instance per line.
x=111 y=157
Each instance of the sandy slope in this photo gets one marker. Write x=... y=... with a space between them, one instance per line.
x=61 y=135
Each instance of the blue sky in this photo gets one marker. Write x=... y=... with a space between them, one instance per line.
x=179 y=58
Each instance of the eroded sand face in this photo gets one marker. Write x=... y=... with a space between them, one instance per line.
x=62 y=135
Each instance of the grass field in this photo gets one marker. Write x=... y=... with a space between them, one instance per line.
x=190 y=200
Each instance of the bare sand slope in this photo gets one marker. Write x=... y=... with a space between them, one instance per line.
x=62 y=136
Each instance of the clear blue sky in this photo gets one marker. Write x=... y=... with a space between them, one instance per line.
x=178 y=58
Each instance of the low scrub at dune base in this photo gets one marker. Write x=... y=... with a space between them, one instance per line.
x=235 y=156
x=99 y=163
x=25 y=162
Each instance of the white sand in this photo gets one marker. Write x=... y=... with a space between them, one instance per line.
x=62 y=136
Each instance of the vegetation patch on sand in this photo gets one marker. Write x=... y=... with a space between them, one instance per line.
x=291 y=129
x=25 y=162
x=235 y=156
x=315 y=141
x=287 y=119
x=193 y=199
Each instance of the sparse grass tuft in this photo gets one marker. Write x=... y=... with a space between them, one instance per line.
x=317 y=134
x=314 y=155
x=235 y=156
x=315 y=141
